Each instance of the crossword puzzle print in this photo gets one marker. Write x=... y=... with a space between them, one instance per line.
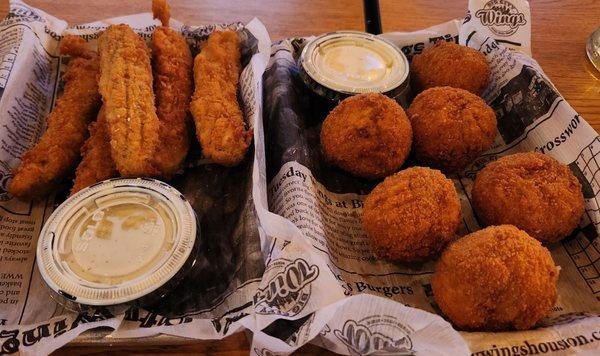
x=584 y=246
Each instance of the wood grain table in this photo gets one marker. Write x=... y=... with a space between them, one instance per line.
x=559 y=31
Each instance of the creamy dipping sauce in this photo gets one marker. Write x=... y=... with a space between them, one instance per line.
x=353 y=65
x=350 y=62
x=117 y=241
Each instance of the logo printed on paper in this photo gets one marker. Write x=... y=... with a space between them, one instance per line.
x=5 y=177
x=288 y=292
x=381 y=334
x=501 y=17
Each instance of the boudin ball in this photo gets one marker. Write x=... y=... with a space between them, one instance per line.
x=451 y=127
x=412 y=215
x=498 y=278
x=532 y=191
x=367 y=135
x=450 y=64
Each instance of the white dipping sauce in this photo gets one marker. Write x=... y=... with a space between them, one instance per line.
x=353 y=62
x=352 y=65
x=117 y=241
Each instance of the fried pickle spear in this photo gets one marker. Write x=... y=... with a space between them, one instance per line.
x=172 y=70
x=57 y=152
x=126 y=87
x=219 y=122
x=97 y=164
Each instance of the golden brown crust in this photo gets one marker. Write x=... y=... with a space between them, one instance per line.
x=74 y=46
x=367 y=135
x=96 y=164
x=126 y=87
x=172 y=68
x=412 y=215
x=449 y=64
x=531 y=191
x=219 y=122
x=451 y=127
x=161 y=11
x=497 y=278
x=57 y=152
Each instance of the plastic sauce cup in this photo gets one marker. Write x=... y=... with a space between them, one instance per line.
x=344 y=63
x=118 y=241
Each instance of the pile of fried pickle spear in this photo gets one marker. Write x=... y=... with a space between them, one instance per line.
x=124 y=111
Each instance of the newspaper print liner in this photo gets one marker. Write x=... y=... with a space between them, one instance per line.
x=323 y=204
x=284 y=245
x=213 y=299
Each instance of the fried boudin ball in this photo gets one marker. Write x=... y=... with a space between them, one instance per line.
x=367 y=135
x=412 y=215
x=497 y=278
x=449 y=64
x=532 y=191
x=451 y=127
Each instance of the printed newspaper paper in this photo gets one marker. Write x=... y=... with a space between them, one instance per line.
x=293 y=265
x=324 y=204
x=212 y=301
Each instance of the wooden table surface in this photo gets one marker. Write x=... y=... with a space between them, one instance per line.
x=559 y=31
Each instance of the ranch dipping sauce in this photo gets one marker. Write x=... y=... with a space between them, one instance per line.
x=116 y=241
x=339 y=64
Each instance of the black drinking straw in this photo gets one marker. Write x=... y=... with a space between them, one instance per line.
x=372 y=16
